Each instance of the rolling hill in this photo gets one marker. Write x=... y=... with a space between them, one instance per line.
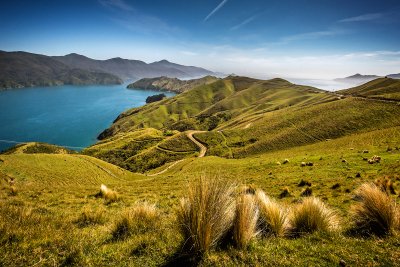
x=382 y=88
x=257 y=133
x=21 y=69
x=242 y=117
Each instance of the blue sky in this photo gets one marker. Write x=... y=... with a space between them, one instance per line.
x=301 y=39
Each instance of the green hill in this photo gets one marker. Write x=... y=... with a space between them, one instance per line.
x=382 y=88
x=208 y=106
x=242 y=117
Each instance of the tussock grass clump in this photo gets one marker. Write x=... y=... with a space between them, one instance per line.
x=206 y=214
x=273 y=219
x=108 y=194
x=141 y=218
x=375 y=213
x=90 y=217
x=313 y=215
x=245 y=223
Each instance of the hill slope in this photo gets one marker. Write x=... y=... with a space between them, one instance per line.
x=171 y=84
x=21 y=69
x=242 y=117
x=382 y=88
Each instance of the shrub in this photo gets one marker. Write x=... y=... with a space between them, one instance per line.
x=141 y=218
x=245 y=223
x=90 y=217
x=207 y=214
x=313 y=215
x=375 y=213
x=273 y=219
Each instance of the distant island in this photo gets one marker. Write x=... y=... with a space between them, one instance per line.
x=171 y=84
x=23 y=69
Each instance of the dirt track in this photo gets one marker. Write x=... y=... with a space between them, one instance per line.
x=203 y=148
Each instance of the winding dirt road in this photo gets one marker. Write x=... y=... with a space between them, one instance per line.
x=203 y=151
x=203 y=148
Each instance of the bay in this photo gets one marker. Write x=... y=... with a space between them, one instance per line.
x=64 y=115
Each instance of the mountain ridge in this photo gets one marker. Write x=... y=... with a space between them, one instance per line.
x=22 y=69
x=133 y=69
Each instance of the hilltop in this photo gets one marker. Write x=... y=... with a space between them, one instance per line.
x=171 y=84
x=22 y=69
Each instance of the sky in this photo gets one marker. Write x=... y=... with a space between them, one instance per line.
x=310 y=39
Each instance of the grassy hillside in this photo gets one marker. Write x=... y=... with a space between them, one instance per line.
x=207 y=106
x=382 y=88
x=243 y=117
x=56 y=214
x=143 y=149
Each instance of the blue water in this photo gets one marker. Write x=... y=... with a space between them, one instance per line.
x=64 y=115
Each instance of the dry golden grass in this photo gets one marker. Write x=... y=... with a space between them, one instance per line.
x=245 y=223
x=141 y=218
x=313 y=215
x=90 y=216
x=375 y=213
x=206 y=214
x=273 y=218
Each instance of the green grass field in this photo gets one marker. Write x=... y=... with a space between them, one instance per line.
x=52 y=211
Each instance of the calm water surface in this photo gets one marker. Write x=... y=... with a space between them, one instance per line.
x=64 y=115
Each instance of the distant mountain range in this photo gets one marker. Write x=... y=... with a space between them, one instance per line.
x=22 y=69
x=171 y=84
x=133 y=69
x=360 y=79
